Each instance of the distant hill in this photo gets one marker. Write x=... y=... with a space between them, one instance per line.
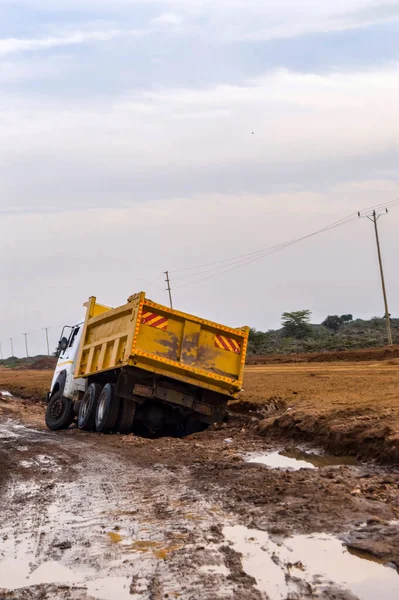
x=357 y=334
x=40 y=362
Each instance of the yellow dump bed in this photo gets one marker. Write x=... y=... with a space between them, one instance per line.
x=163 y=341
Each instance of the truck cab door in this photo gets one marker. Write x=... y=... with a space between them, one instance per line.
x=64 y=371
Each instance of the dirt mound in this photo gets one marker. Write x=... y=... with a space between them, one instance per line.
x=42 y=364
x=31 y=384
x=362 y=354
x=366 y=434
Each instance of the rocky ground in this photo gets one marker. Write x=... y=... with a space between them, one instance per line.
x=114 y=517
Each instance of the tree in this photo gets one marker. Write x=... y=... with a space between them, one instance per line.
x=346 y=318
x=333 y=322
x=297 y=324
x=256 y=339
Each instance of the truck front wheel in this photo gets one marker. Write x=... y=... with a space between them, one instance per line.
x=88 y=408
x=108 y=407
x=59 y=412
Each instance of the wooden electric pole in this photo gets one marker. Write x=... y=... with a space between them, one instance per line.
x=168 y=288
x=374 y=219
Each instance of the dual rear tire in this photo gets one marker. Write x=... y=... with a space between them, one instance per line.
x=103 y=411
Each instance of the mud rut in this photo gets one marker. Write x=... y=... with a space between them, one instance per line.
x=78 y=511
x=110 y=524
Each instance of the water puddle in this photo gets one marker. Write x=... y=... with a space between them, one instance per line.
x=17 y=573
x=299 y=459
x=318 y=560
x=110 y=588
x=318 y=459
x=278 y=460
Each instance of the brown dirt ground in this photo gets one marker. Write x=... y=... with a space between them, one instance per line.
x=361 y=354
x=282 y=503
x=348 y=408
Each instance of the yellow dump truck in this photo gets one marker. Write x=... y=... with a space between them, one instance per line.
x=146 y=365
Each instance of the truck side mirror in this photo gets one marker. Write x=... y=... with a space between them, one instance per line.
x=63 y=345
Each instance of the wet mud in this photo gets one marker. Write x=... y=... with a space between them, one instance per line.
x=88 y=516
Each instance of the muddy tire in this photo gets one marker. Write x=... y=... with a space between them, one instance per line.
x=88 y=408
x=194 y=425
x=59 y=412
x=127 y=415
x=108 y=408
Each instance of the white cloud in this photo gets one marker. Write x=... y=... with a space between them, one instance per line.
x=227 y=20
x=168 y=20
x=292 y=115
x=11 y=72
x=13 y=45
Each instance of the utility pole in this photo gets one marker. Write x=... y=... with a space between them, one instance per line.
x=1 y=352
x=26 y=344
x=168 y=288
x=48 y=347
x=374 y=219
x=12 y=347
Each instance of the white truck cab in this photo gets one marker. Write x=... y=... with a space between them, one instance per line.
x=63 y=382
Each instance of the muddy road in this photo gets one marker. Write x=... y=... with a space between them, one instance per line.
x=87 y=516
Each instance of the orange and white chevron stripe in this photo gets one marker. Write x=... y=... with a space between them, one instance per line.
x=154 y=320
x=229 y=344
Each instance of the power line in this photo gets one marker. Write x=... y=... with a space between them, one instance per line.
x=238 y=258
x=231 y=264
x=243 y=262
x=246 y=259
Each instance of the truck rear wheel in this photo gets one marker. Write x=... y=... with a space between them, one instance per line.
x=107 y=409
x=127 y=415
x=87 y=411
x=59 y=412
x=194 y=425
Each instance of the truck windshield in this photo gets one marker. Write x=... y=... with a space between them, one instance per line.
x=73 y=336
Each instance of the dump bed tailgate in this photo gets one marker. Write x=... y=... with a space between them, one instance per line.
x=164 y=341
x=188 y=348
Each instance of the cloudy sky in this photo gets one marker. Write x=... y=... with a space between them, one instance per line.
x=138 y=136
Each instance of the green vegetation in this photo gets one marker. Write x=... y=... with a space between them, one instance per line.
x=335 y=333
x=297 y=324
